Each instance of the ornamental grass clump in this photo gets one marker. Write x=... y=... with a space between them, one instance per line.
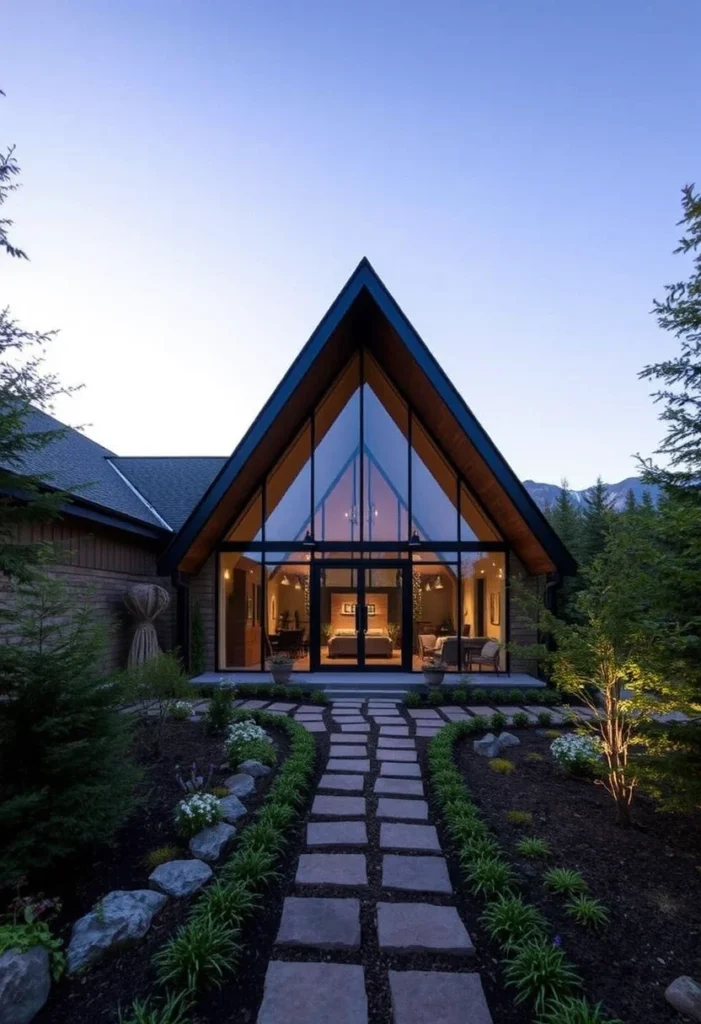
x=161 y=855
x=540 y=972
x=588 y=911
x=195 y=813
x=199 y=955
x=532 y=846
x=578 y=755
x=175 y=1010
x=521 y=818
x=576 y=1011
x=489 y=876
x=565 y=881
x=509 y=921
x=502 y=766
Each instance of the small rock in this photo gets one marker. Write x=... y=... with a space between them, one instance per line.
x=255 y=769
x=24 y=984
x=231 y=808
x=180 y=877
x=488 y=746
x=684 y=994
x=210 y=843
x=507 y=739
x=117 y=920
x=241 y=784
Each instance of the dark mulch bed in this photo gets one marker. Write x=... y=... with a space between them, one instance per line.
x=82 y=882
x=649 y=877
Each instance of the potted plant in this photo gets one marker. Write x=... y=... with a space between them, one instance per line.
x=281 y=669
x=434 y=670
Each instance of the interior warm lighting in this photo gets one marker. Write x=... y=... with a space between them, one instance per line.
x=428 y=586
x=298 y=585
x=415 y=539
x=438 y=585
x=284 y=582
x=227 y=574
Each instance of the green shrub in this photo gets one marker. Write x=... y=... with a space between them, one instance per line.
x=509 y=921
x=535 y=696
x=201 y=810
x=502 y=766
x=66 y=776
x=545 y=719
x=522 y=818
x=226 y=903
x=198 y=641
x=478 y=723
x=180 y=710
x=22 y=936
x=489 y=876
x=565 y=881
x=540 y=972
x=532 y=846
x=516 y=696
x=319 y=697
x=520 y=720
x=497 y=722
x=498 y=697
x=199 y=955
x=413 y=699
x=588 y=911
x=295 y=693
x=575 y=1011
x=175 y=1010
x=220 y=712
x=436 y=696
x=161 y=855
x=550 y=698
x=247 y=741
x=459 y=695
x=255 y=868
x=478 y=696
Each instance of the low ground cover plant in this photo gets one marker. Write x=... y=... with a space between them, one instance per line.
x=502 y=766
x=180 y=710
x=521 y=818
x=564 y=881
x=588 y=911
x=161 y=855
x=27 y=925
x=508 y=920
x=540 y=972
x=520 y=720
x=247 y=741
x=576 y=1011
x=201 y=810
x=577 y=754
x=533 y=846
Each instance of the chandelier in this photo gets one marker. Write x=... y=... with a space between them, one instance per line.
x=352 y=514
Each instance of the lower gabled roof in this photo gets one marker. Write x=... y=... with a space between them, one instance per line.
x=364 y=313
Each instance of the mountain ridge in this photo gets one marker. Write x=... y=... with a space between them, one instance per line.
x=545 y=495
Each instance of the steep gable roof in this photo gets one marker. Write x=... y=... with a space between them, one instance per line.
x=365 y=311
x=171 y=484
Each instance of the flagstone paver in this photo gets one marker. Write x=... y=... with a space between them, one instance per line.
x=428 y=733
x=480 y=710
x=412 y=810
x=314 y=726
x=394 y=730
x=255 y=704
x=392 y=743
x=347 y=764
x=511 y=709
x=297 y=993
x=309 y=709
x=337 y=833
x=338 y=737
x=282 y=707
x=403 y=771
x=422 y=928
x=349 y=869
x=345 y=727
x=429 y=997
x=395 y=755
x=339 y=806
x=348 y=751
x=423 y=713
x=351 y=783
x=535 y=709
x=319 y=922
x=409 y=837
x=399 y=787
x=389 y=720
x=415 y=874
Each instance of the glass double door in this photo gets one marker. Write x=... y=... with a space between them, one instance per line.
x=361 y=615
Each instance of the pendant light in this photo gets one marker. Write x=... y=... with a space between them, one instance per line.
x=284 y=582
x=438 y=585
x=298 y=585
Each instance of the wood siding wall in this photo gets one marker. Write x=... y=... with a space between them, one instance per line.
x=203 y=591
x=106 y=562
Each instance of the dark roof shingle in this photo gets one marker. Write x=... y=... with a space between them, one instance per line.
x=171 y=484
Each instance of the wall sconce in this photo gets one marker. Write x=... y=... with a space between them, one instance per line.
x=427 y=588
x=284 y=582
x=298 y=585
x=227 y=574
x=438 y=585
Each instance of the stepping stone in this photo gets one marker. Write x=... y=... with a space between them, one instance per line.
x=332 y=869
x=337 y=737
x=351 y=783
x=399 y=787
x=415 y=874
x=423 y=713
x=409 y=837
x=511 y=710
x=338 y=806
x=314 y=726
x=421 y=928
x=395 y=755
x=337 y=833
x=389 y=720
x=309 y=709
x=255 y=704
x=402 y=771
x=455 y=709
x=536 y=710
x=453 y=716
x=422 y=997
x=348 y=721
x=347 y=764
x=308 y=718
x=394 y=730
x=297 y=993
x=414 y=810
x=390 y=743
x=282 y=707
x=387 y=712
x=480 y=710
x=427 y=734
x=320 y=923
x=355 y=728
x=348 y=751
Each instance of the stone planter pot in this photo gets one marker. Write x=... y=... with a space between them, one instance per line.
x=433 y=677
x=281 y=674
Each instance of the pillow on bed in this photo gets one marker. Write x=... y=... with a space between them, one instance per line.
x=376 y=632
x=344 y=632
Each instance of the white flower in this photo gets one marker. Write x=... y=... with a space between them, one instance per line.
x=572 y=749
x=242 y=732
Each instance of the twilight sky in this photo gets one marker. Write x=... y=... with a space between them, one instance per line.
x=200 y=177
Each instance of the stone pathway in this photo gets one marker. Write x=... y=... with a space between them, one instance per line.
x=351 y=959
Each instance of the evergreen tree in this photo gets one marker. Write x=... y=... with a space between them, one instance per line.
x=631 y=505
x=596 y=521
x=565 y=517
x=65 y=779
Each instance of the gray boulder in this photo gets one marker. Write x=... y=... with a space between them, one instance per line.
x=118 y=920
x=25 y=981
x=180 y=877
x=241 y=784
x=685 y=996
x=210 y=843
x=507 y=739
x=231 y=808
x=488 y=746
x=255 y=768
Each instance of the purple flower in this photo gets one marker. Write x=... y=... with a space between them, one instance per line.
x=557 y=941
